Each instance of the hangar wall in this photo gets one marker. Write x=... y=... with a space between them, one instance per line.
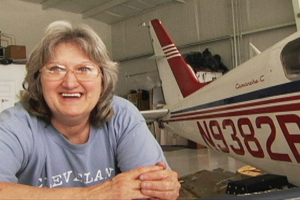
x=194 y=26
x=226 y=27
x=27 y=22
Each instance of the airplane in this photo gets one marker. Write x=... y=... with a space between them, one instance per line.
x=251 y=113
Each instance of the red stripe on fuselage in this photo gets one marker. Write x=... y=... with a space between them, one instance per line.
x=278 y=100
x=270 y=109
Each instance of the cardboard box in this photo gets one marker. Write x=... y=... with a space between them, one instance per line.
x=133 y=98
x=15 y=52
x=138 y=100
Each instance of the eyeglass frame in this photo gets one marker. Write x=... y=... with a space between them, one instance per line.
x=46 y=71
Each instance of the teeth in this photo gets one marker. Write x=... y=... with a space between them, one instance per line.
x=71 y=95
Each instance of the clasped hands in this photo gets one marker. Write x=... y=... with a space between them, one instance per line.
x=151 y=182
x=160 y=184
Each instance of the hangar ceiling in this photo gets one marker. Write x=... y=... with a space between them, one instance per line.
x=106 y=11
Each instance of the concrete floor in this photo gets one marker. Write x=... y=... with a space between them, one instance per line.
x=203 y=172
x=187 y=161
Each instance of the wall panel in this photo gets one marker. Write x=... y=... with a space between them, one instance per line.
x=224 y=26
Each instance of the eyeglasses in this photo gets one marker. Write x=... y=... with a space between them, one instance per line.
x=58 y=72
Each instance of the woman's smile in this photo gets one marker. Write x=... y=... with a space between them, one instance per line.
x=71 y=95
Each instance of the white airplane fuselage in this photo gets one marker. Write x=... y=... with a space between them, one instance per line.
x=252 y=113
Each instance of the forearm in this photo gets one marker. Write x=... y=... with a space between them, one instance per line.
x=124 y=186
x=19 y=191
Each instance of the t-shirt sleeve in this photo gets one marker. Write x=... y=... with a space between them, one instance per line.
x=11 y=155
x=136 y=145
x=16 y=142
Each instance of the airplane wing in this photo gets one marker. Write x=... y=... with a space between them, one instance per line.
x=152 y=115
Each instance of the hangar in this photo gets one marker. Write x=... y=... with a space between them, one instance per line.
x=227 y=28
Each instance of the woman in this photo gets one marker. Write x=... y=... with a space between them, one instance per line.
x=71 y=134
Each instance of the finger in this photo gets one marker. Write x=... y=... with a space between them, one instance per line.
x=159 y=175
x=135 y=173
x=163 y=164
x=160 y=185
x=161 y=189
x=161 y=194
x=124 y=181
x=136 y=185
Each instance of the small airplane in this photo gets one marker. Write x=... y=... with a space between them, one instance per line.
x=251 y=113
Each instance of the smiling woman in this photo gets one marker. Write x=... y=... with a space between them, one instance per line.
x=71 y=134
x=86 y=42
x=57 y=92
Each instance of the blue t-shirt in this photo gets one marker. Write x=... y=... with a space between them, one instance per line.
x=33 y=152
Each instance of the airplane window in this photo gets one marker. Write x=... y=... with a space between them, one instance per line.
x=290 y=58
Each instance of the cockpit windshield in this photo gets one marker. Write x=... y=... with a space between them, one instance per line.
x=290 y=58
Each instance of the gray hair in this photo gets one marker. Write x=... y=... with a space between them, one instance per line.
x=91 y=44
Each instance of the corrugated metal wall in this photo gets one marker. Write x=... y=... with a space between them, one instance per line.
x=224 y=26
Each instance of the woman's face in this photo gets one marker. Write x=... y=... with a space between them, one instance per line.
x=70 y=98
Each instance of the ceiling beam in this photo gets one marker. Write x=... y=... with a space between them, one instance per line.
x=102 y=8
x=50 y=3
x=149 y=9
